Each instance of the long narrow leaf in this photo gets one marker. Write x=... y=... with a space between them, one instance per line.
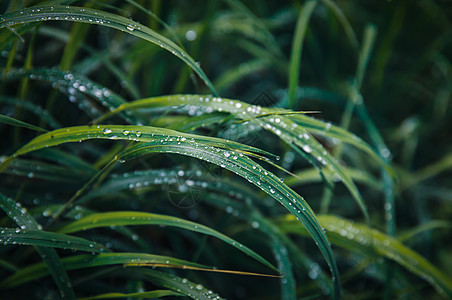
x=162 y=141
x=141 y=218
x=11 y=121
x=361 y=238
x=76 y=262
x=94 y=16
x=17 y=236
x=52 y=263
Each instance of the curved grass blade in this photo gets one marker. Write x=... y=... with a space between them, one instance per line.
x=204 y=148
x=76 y=262
x=435 y=224
x=245 y=111
x=191 y=123
x=32 y=108
x=281 y=125
x=369 y=241
x=254 y=173
x=66 y=159
x=130 y=133
x=180 y=285
x=74 y=86
x=336 y=132
x=37 y=169
x=288 y=284
x=257 y=221
x=94 y=16
x=17 y=123
x=52 y=263
x=233 y=75
x=220 y=198
x=17 y=236
x=141 y=295
x=312 y=176
x=267 y=38
x=141 y=218
x=344 y=22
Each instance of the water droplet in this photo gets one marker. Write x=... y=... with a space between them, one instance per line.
x=106 y=131
x=385 y=152
x=306 y=148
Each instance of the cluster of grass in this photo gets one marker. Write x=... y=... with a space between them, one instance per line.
x=225 y=149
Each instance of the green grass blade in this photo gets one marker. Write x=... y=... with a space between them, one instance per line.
x=254 y=173
x=288 y=284
x=77 y=262
x=129 y=133
x=141 y=218
x=39 y=170
x=32 y=108
x=249 y=112
x=267 y=38
x=17 y=123
x=333 y=131
x=71 y=169
x=368 y=241
x=204 y=148
x=17 y=236
x=52 y=263
x=370 y=35
x=181 y=285
x=344 y=22
x=74 y=85
x=140 y=295
x=245 y=111
x=313 y=176
x=257 y=221
x=94 y=16
x=412 y=233
x=297 y=48
x=66 y=159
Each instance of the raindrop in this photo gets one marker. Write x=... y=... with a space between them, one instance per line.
x=307 y=149
x=106 y=131
x=385 y=152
